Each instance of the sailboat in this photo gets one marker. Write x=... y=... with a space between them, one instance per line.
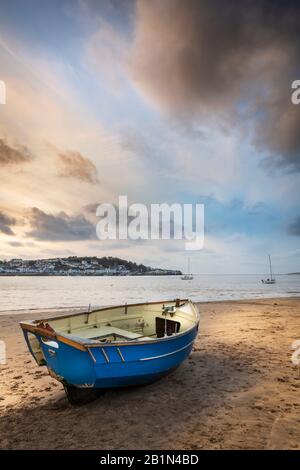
x=271 y=279
x=188 y=276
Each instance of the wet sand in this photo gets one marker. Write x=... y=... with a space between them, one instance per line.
x=238 y=390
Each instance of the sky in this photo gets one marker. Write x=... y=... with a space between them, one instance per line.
x=162 y=101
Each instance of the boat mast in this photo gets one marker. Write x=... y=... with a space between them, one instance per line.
x=270 y=267
x=189 y=271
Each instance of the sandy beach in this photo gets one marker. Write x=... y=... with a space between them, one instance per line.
x=238 y=390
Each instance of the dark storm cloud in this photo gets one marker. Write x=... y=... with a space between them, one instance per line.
x=60 y=227
x=228 y=60
x=74 y=165
x=5 y=224
x=294 y=227
x=13 y=155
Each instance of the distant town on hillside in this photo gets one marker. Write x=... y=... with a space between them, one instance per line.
x=79 y=266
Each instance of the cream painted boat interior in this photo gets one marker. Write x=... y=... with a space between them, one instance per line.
x=128 y=323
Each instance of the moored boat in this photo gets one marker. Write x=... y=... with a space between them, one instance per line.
x=113 y=347
x=271 y=279
x=188 y=276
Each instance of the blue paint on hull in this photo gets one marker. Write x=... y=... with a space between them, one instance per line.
x=109 y=366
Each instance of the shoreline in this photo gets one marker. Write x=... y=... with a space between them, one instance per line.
x=238 y=390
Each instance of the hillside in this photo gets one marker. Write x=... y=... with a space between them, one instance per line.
x=79 y=266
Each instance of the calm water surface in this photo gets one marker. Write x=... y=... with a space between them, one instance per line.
x=18 y=293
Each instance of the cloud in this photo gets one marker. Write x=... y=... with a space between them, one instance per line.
x=91 y=208
x=13 y=155
x=15 y=244
x=59 y=227
x=201 y=59
x=5 y=224
x=294 y=227
x=74 y=165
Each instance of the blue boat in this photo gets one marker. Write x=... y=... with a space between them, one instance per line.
x=113 y=347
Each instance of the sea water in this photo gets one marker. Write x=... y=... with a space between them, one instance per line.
x=33 y=292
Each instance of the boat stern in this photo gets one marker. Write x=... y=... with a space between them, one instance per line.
x=70 y=364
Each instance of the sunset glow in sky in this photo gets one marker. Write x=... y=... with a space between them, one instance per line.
x=162 y=101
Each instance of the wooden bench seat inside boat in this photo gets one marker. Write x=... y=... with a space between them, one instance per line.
x=106 y=331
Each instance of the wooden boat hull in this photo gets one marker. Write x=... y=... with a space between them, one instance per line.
x=108 y=365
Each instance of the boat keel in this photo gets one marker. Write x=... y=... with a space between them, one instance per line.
x=81 y=396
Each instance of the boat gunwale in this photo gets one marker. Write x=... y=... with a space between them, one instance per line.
x=83 y=346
